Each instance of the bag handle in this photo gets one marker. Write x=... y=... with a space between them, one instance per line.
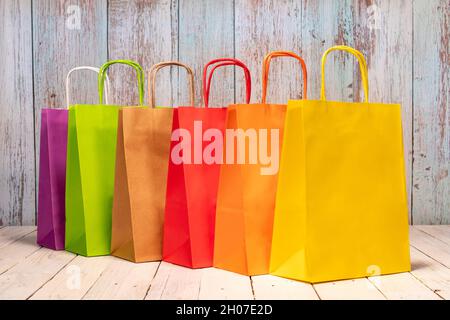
x=221 y=63
x=135 y=65
x=152 y=80
x=266 y=66
x=107 y=89
x=362 y=68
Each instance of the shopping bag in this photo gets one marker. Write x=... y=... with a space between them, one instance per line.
x=247 y=187
x=91 y=155
x=52 y=172
x=341 y=208
x=195 y=158
x=142 y=160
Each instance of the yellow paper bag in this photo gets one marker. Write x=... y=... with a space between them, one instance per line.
x=341 y=208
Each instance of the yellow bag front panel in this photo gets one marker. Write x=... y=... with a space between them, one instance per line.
x=341 y=207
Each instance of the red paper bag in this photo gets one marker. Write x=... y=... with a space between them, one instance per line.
x=193 y=177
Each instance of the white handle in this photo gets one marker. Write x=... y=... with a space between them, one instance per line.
x=84 y=68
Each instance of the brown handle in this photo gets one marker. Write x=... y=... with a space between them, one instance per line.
x=152 y=80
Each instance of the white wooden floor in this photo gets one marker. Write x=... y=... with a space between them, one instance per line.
x=28 y=271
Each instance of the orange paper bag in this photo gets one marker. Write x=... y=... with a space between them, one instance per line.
x=248 y=182
x=143 y=145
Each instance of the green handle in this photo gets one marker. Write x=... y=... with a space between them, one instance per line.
x=135 y=65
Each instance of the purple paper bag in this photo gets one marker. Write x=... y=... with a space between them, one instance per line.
x=52 y=179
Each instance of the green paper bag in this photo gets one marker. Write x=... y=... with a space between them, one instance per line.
x=91 y=154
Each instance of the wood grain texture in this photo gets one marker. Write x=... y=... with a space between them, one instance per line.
x=146 y=32
x=406 y=44
x=267 y=287
x=25 y=278
x=60 y=45
x=431 y=162
x=9 y=235
x=431 y=273
x=28 y=271
x=122 y=280
x=431 y=246
x=17 y=172
x=219 y=284
x=325 y=24
x=403 y=286
x=439 y=232
x=357 y=289
x=17 y=251
x=206 y=32
x=258 y=31
x=173 y=282
x=74 y=280
x=383 y=32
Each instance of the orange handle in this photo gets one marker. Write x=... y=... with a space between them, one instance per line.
x=266 y=66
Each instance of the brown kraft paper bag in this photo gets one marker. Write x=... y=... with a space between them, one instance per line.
x=142 y=157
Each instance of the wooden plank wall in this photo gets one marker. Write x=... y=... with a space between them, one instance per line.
x=17 y=150
x=406 y=44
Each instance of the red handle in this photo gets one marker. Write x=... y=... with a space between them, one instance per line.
x=224 y=62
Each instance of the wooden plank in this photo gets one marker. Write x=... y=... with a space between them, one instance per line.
x=25 y=278
x=11 y=234
x=74 y=280
x=357 y=289
x=432 y=247
x=267 y=287
x=66 y=34
x=219 y=284
x=146 y=32
x=173 y=282
x=206 y=32
x=123 y=280
x=403 y=286
x=17 y=179
x=431 y=273
x=17 y=251
x=325 y=24
x=439 y=232
x=58 y=38
x=383 y=33
x=431 y=183
x=262 y=26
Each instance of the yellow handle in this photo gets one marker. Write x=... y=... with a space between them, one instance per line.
x=362 y=67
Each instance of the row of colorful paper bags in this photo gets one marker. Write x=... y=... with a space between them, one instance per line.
x=110 y=183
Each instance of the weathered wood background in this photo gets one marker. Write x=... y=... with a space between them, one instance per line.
x=406 y=44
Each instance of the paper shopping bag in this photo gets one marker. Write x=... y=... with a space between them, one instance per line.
x=341 y=208
x=142 y=162
x=195 y=158
x=52 y=173
x=91 y=155
x=248 y=181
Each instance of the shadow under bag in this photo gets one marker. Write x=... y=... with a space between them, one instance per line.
x=341 y=207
